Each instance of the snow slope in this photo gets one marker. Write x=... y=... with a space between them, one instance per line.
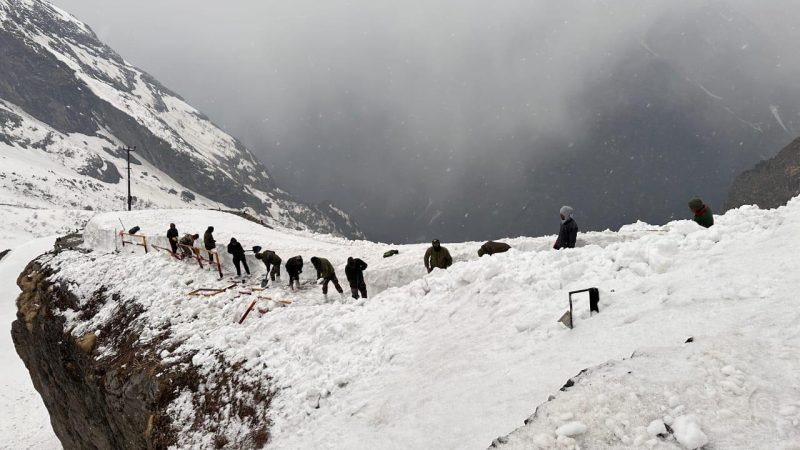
x=69 y=104
x=735 y=391
x=21 y=225
x=455 y=358
x=24 y=422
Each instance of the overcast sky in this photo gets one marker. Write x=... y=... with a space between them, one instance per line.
x=400 y=105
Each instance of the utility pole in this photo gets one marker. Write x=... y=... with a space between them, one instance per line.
x=129 y=150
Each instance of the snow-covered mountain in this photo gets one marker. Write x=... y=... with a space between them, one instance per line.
x=69 y=105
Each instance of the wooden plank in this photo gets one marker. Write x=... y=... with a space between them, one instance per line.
x=206 y=292
x=249 y=308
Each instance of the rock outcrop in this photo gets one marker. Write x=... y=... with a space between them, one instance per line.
x=771 y=183
x=125 y=396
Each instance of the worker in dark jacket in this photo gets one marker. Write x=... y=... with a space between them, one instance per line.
x=491 y=247
x=235 y=249
x=327 y=274
x=187 y=244
x=294 y=266
x=702 y=213
x=568 y=233
x=437 y=256
x=354 y=270
x=210 y=243
x=172 y=237
x=272 y=261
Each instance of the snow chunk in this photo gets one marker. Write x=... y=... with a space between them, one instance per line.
x=656 y=427
x=570 y=429
x=688 y=433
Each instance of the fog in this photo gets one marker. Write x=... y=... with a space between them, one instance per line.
x=477 y=120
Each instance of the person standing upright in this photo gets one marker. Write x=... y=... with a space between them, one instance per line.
x=172 y=237
x=568 y=233
x=209 y=243
x=354 y=270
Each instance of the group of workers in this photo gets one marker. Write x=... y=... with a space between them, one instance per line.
x=435 y=257
x=439 y=257
x=354 y=270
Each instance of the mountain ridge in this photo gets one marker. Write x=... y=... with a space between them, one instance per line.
x=68 y=97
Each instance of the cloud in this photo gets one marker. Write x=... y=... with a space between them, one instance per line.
x=456 y=116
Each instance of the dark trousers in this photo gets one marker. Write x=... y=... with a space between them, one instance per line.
x=211 y=256
x=242 y=261
x=357 y=286
x=294 y=276
x=275 y=272
x=173 y=245
x=335 y=284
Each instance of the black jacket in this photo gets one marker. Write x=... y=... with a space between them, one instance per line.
x=172 y=234
x=235 y=249
x=354 y=270
x=567 y=235
x=294 y=264
x=209 y=242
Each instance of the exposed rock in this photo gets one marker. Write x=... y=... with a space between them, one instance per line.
x=771 y=183
x=121 y=399
x=102 y=170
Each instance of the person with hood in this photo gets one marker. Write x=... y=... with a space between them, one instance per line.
x=437 y=256
x=702 y=213
x=210 y=243
x=187 y=243
x=327 y=274
x=354 y=270
x=172 y=237
x=271 y=260
x=568 y=233
x=294 y=266
x=235 y=249
x=491 y=247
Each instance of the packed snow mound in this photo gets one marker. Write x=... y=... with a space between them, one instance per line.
x=725 y=390
x=454 y=358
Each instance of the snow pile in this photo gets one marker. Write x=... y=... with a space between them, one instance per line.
x=684 y=397
x=454 y=358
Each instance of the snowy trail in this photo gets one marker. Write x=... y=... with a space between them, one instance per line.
x=24 y=421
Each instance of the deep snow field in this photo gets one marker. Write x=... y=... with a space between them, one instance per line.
x=457 y=358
